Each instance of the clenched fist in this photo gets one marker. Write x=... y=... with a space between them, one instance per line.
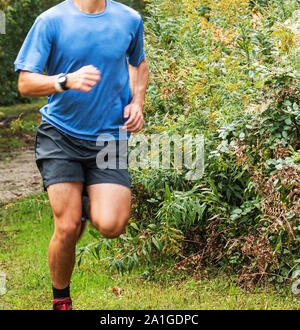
x=84 y=79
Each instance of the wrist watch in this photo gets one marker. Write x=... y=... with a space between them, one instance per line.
x=61 y=82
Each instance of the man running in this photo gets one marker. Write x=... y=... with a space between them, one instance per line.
x=85 y=48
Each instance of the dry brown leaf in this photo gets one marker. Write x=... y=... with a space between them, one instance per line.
x=117 y=291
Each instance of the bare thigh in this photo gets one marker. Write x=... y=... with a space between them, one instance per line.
x=109 y=208
x=65 y=200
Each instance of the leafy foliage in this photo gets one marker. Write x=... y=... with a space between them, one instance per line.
x=228 y=69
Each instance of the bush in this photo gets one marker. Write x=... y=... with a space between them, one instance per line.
x=229 y=70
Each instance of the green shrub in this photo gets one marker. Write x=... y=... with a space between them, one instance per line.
x=227 y=69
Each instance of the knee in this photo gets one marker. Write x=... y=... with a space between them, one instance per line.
x=68 y=232
x=110 y=227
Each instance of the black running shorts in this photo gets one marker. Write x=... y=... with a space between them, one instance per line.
x=64 y=158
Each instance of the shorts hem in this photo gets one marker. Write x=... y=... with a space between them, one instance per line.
x=62 y=180
x=109 y=181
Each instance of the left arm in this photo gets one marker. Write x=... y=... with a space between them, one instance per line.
x=134 y=110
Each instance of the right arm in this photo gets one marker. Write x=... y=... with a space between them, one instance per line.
x=35 y=84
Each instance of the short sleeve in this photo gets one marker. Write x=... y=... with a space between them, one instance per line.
x=136 y=52
x=36 y=48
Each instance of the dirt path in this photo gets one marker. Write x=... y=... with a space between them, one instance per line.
x=19 y=176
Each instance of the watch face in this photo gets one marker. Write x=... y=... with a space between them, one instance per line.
x=61 y=80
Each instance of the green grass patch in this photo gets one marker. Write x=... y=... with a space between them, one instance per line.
x=25 y=230
x=17 y=109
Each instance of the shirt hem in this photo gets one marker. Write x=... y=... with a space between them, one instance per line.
x=107 y=135
x=138 y=62
x=26 y=67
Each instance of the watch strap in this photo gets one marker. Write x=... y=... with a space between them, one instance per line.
x=58 y=85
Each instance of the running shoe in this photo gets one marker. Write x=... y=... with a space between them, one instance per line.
x=64 y=304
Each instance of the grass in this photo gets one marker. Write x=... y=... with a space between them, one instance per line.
x=25 y=229
x=15 y=110
x=21 y=130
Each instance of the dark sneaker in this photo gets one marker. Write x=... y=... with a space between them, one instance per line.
x=85 y=208
x=64 y=304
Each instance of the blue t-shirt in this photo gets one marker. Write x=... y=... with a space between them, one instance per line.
x=62 y=40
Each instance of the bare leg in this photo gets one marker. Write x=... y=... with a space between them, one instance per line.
x=65 y=200
x=109 y=208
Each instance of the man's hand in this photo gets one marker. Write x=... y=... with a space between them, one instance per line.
x=84 y=79
x=138 y=85
x=135 y=121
